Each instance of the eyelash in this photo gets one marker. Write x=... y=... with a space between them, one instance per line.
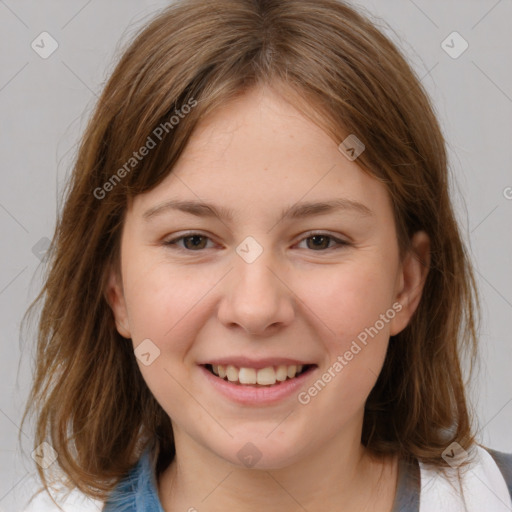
x=173 y=242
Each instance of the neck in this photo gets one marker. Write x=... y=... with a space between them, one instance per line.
x=339 y=476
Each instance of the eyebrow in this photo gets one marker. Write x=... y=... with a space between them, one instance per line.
x=296 y=211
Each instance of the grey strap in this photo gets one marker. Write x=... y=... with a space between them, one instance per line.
x=407 y=498
x=504 y=463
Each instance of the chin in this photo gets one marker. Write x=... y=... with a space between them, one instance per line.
x=261 y=452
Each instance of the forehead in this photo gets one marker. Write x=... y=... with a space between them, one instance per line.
x=259 y=151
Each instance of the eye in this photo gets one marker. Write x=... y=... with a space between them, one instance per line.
x=195 y=242
x=322 y=241
x=191 y=242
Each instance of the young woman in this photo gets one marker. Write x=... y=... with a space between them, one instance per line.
x=258 y=296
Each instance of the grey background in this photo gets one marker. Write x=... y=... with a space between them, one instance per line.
x=45 y=103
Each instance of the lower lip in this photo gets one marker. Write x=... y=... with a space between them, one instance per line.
x=252 y=395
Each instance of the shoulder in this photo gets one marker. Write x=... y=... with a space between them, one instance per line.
x=485 y=483
x=137 y=492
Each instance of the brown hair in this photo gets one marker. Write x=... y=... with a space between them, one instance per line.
x=91 y=402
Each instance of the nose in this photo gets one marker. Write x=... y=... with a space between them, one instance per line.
x=256 y=297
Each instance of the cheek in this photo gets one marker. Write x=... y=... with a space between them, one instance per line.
x=349 y=299
x=164 y=306
x=353 y=312
x=162 y=298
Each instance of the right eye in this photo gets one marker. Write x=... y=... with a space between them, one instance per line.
x=192 y=242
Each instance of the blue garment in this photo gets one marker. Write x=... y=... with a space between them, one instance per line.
x=137 y=492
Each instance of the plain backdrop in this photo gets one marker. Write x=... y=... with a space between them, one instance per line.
x=45 y=103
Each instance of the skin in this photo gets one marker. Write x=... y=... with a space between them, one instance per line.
x=258 y=155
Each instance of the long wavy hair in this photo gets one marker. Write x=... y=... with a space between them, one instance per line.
x=88 y=397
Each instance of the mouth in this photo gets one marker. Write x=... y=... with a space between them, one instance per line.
x=267 y=377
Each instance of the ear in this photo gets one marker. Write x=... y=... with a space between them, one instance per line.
x=115 y=298
x=411 y=280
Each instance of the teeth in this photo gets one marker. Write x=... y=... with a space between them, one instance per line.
x=282 y=373
x=247 y=376
x=232 y=373
x=267 y=376
x=264 y=377
x=292 y=370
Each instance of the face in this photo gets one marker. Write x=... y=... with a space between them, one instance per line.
x=265 y=317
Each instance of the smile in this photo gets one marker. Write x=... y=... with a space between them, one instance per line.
x=257 y=382
x=267 y=376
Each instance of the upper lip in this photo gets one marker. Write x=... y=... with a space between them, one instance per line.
x=248 y=362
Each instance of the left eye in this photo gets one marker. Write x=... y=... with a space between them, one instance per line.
x=321 y=239
x=197 y=241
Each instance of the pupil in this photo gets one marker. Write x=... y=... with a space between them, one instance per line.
x=194 y=237
x=316 y=238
